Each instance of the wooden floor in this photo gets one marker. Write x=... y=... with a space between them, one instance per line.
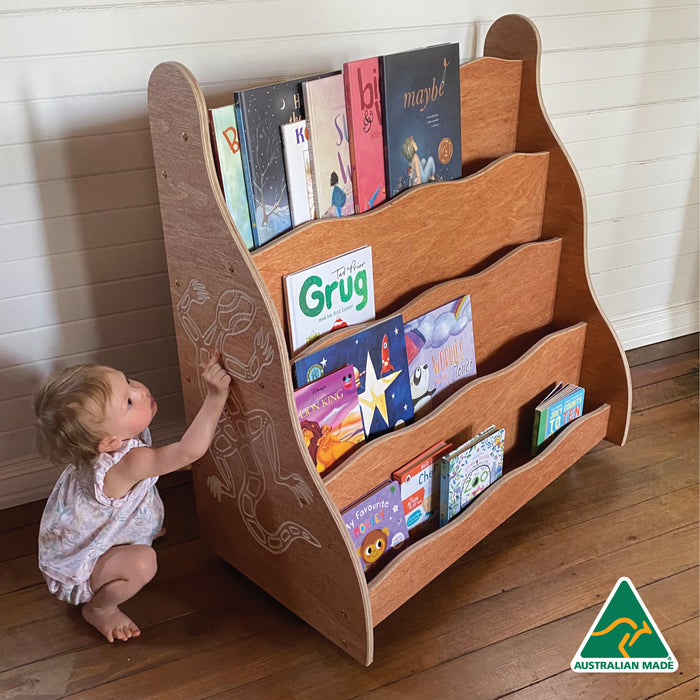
x=504 y=621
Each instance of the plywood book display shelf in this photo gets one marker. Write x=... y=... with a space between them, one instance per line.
x=510 y=232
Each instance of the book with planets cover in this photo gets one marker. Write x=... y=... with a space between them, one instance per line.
x=330 y=418
x=378 y=356
x=422 y=116
x=440 y=351
x=377 y=526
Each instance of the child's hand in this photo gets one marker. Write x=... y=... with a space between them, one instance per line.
x=216 y=379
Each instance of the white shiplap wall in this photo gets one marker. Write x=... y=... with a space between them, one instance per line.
x=82 y=267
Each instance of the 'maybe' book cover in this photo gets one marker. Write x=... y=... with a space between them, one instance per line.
x=227 y=152
x=440 y=351
x=297 y=166
x=363 y=104
x=378 y=354
x=422 y=118
x=333 y=294
x=330 y=417
x=324 y=100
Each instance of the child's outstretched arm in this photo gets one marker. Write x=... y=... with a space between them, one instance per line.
x=144 y=462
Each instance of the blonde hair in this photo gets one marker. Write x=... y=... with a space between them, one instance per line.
x=69 y=407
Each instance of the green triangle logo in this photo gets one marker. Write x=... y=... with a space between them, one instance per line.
x=624 y=637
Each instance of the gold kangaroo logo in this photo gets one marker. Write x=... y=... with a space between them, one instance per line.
x=625 y=621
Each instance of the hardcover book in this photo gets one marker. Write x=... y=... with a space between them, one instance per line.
x=330 y=418
x=562 y=405
x=333 y=294
x=468 y=470
x=376 y=526
x=297 y=167
x=324 y=100
x=419 y=481
x=422 y=116
x=366 y=136
x=440 y=351
x=227 y=155
x=378 y=355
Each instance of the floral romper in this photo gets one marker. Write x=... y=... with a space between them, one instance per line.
x=80 y=523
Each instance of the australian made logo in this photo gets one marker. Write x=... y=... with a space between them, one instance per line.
x=624 y=637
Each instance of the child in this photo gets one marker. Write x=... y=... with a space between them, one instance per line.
x=104 y=512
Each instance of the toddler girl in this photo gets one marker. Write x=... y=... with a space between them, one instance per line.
x=104 y=512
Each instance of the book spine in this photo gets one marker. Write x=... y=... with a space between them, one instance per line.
x=351 y=135
x=308 y=106
x=444 y=490
x=240 y=118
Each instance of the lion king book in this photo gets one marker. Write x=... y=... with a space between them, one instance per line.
x=422 y=116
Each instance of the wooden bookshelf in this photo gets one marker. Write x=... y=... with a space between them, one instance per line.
x=511 y=233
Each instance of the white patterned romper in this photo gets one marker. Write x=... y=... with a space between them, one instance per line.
x=80 y=523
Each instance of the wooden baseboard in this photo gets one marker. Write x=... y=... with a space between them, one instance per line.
x=648 y=327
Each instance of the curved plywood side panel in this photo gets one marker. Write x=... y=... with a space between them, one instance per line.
x=423 y=561
x=260 y=501
x=426 y=235
x=604 y=373
x=506 y=399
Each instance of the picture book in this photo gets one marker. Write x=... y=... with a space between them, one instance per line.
x=378 y=355
x=562 y=405
x=333 y=294
x=468 y=470
x=365 y=132
x=227 y=155
x=260 y=111
x=330 y=418
x=419 y=480
x=376 y=525
x=422 y=116
x=324 y=100
x=440 y=352
x=297 y=167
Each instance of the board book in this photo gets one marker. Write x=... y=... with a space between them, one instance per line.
x=376 y=525
x=440 y=352
x=333 y=294
x=330 y=418
x=468 y=470
x=562 y=405
x=422 y=116
x=378 y=355
x=297 y=168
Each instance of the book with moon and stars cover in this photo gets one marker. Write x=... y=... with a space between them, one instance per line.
x=378 y=355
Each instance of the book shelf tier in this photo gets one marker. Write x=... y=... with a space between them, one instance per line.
x=511 y=233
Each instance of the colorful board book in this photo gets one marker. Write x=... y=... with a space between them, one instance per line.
x=378 y=354
x=330 y=418
x=324 y=101
x=297 y=168
x=468 y=470
x=419 y=481
x=422 y=116
x=376 y=525
x=229 y=167
x=333 y=294
x=366 y=135
x=440 y=351
x=562 y=405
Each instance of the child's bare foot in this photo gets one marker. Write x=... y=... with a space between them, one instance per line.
x=112 y=622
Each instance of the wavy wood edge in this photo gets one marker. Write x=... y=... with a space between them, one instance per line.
x=605 y=371
x=260 y=501
x=424 y=560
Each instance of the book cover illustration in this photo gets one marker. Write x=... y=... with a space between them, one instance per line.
x=419 y=481
x=324 y=101
x=330 y=418
x=422 y=116
x=562 y=405
x=440 y=351
x=468 y=470
x=378 y=355
x=366 y=135
x=297 y=167
x=227 y=151
x=333 y=294
x=376 y=525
